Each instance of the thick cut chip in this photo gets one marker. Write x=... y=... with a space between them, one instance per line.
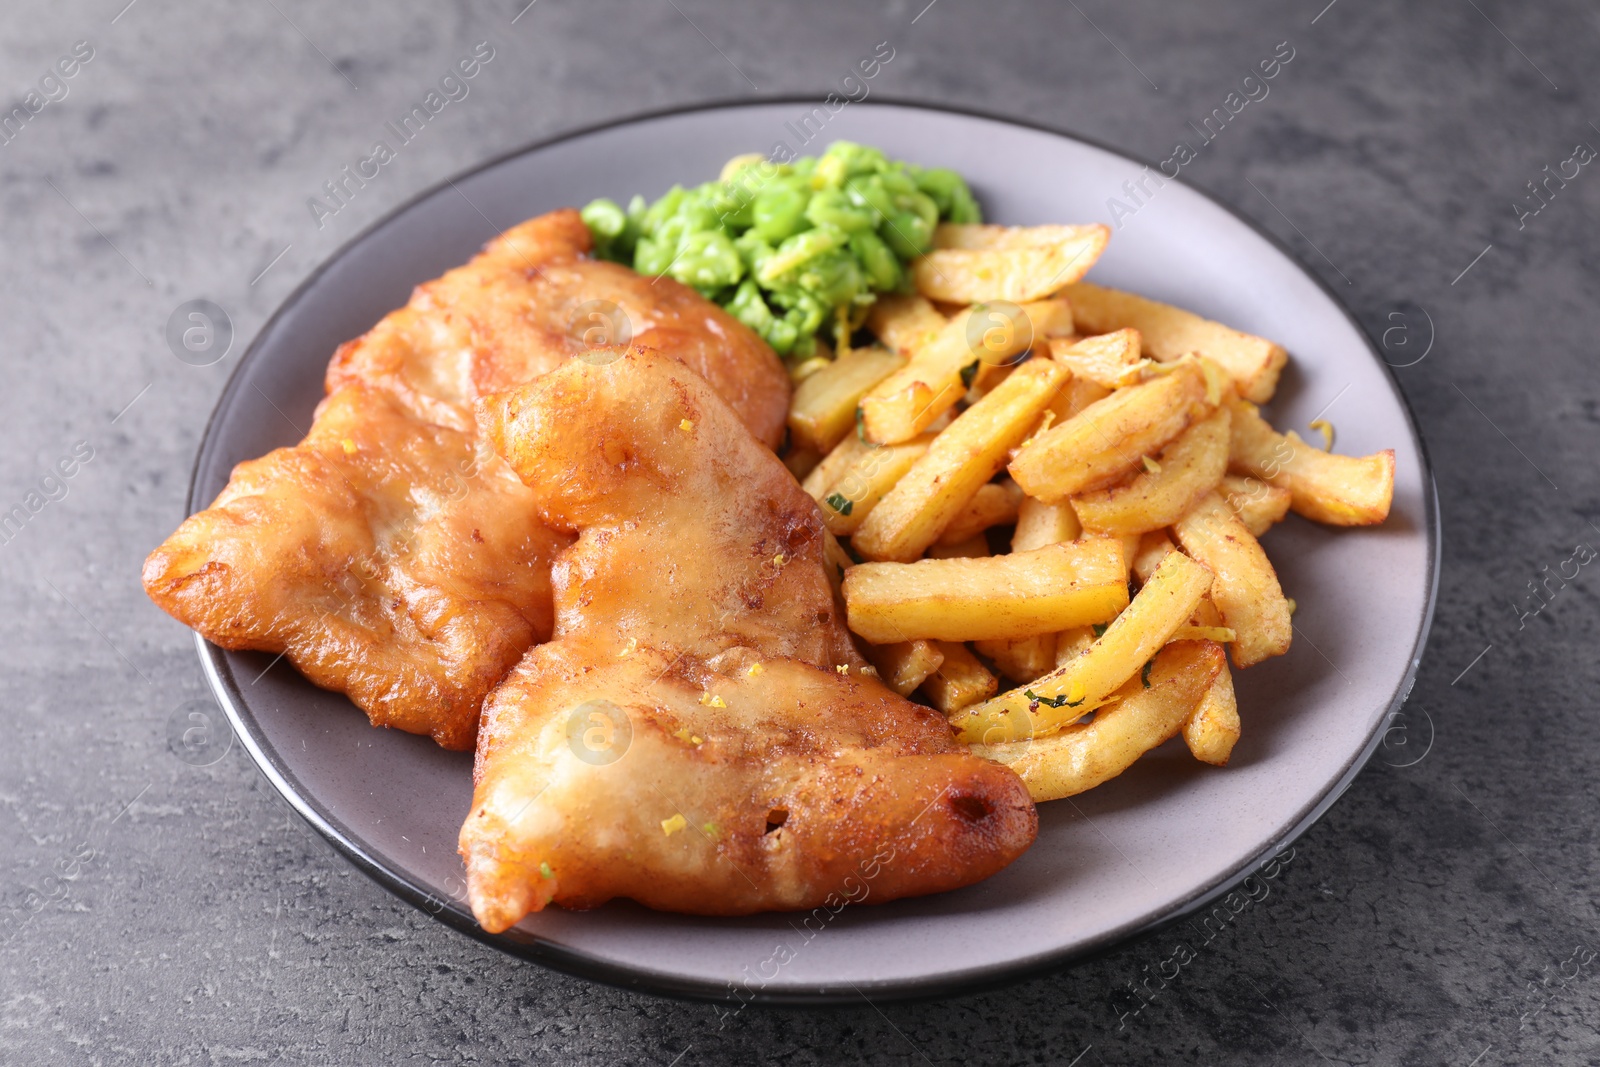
x=1085 y=681
x=909 y=400
x=1028 y=263
x=1111 y=437
x=904 y=322
x=906 y=664
x=963 y=457
x=994 y=504
x=824 y=405
x=872 y=473
x=1338 y=490
x=1187 y=469
x=1260 y=505
x=1022 y=659
x=700 y=735
x=1110 y=360
x=960 y=679
x=1170 y=333
x=1147 y=712
x=1213 y=728
x=1246 y=589
x=1040 y=524
x=1016 y=595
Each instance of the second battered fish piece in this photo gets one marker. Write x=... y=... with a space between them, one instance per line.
x=383 y=557
x=701 y=735
x=530 y=301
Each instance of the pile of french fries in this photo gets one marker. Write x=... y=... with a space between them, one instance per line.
x=1118 y=440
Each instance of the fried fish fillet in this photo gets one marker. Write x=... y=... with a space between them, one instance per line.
x=701 y=735
x=380 y=556
x=388 y=556
x=529 y=302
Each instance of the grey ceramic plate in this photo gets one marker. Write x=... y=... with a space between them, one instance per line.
x=1163 y=840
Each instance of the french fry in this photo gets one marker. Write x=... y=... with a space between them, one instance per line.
x=1153 y=547
x=977 y=236
x=1029 y=266
x=1184 y=471
x=1110 y=437
x=864 y=484
x=833 y=466
x=904 y=665
x=1337 y=490
x=1246 y=589
x=1206 y=622
x=906 y=403
x=1259 y=505
x=961 y=458
x=1212 y=729
x=1170 y=333
x=823 y=408
x=1149 y=712
x=996 y=597
x=959 y=680
x=1074 y=397
x=1021 y=659
x=994 y=504
x=989 y=375
x=1040 y=524
x=1111 y=360
x=1084 y=682
x=904 y=323
x=1074 y=642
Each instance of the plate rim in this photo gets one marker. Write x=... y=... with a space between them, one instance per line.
x=636 y=978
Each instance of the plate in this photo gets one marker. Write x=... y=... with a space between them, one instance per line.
x=1164 y=840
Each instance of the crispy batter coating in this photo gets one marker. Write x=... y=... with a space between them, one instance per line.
x=384 y=555
x=529 y=302
x=700 y=735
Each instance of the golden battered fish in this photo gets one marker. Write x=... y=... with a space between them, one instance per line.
x=531 y=301
x=701 y=735
x=388 y=556
x=380 y=556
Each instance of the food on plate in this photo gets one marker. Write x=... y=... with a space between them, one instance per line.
x=1188 y=467
x=908 y=401
x=957 y=464
x=1337 y=490
x=994 y=597
x=530 y=301
x=391 y=557
x=1084 y=682
x=790 y=247
x=764 y=764
x=970 y=264
x=1119 y=437
x=382 y=556
x=724 y=646
x=1244 y=588
x=1148 y=711
x=1170 y=333
x=1112 y=437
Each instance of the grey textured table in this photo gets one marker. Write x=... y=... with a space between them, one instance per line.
x=158 y=912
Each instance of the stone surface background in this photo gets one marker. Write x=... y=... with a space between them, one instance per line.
x=155 y=912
